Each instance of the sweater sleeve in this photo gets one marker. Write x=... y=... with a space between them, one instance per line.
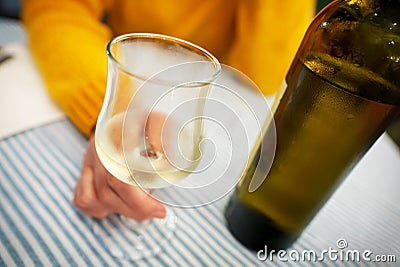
x=68 y=43
x=268 y=34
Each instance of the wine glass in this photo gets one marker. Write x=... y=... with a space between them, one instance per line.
x=149 y=130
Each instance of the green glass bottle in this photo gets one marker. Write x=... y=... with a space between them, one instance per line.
x=343 y=90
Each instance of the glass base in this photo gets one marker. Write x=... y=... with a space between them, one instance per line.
x=131 y=240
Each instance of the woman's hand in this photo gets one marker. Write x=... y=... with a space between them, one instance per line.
x=98 y=193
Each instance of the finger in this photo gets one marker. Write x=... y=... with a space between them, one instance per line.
x=141 y=205
x=107 y=198
x=118 y=131
x=117 y=199
x=85 y=197
x=153 y=130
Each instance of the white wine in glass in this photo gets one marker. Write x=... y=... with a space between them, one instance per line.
x=149 y=130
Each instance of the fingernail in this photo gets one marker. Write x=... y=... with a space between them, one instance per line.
x=158 y=214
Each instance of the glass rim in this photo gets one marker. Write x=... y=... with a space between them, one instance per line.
x=189 y=45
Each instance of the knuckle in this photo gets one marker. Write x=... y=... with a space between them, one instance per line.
x=84 y=200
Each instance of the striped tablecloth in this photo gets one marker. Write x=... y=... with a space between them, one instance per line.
x=40 y=227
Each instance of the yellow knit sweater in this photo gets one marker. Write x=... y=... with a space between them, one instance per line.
x=68 y=39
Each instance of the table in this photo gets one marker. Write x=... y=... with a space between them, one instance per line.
x=40 y=227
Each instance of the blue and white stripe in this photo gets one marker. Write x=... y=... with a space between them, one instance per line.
x=40 y=227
